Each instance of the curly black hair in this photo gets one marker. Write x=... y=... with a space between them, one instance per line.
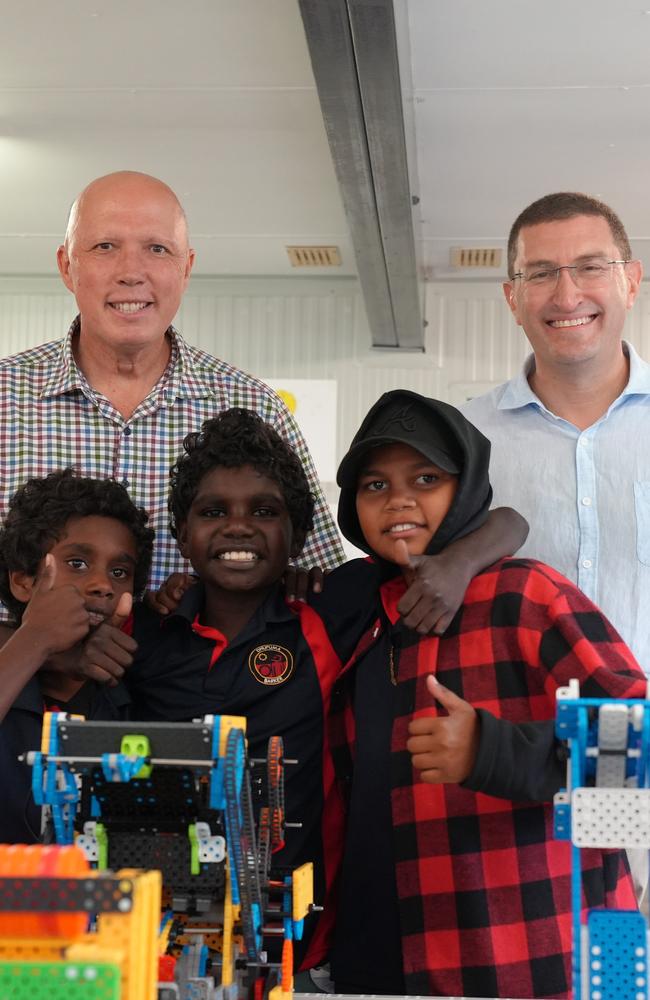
x=240 y=437
x=41 y=508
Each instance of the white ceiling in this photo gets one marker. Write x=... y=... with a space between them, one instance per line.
x=517 y=98
x=216 y=97
x=512 y=99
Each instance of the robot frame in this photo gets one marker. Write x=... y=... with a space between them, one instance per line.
x=168 y=808
x=606 y=804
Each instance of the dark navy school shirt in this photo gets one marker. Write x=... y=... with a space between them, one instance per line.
x=278 y=672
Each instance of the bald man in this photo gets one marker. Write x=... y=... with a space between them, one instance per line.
x=118 y=394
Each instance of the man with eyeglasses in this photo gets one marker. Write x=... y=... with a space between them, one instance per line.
x=570 y=432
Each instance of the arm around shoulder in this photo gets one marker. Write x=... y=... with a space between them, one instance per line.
x=438 y=584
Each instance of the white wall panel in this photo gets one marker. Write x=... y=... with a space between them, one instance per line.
x=316 y=328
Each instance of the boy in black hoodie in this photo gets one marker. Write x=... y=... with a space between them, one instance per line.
x=460 y=892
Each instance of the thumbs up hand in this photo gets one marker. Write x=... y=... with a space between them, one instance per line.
x=109 y=651
x=56 y=616
x=443 y=748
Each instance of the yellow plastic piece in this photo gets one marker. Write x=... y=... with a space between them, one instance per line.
x=230 y=941
x=163 y=938
x=45 y=732
x=277 y=993
x=31 y=949
x=303 y=890
x=90 y=951
x=136 y=935
x=230 y=914
x=226 y=723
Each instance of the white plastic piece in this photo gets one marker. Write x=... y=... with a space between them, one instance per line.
x=572 y=690
x=585 y=950
x=612 y=743
x=612 y=727
x=636 y=717
x=211 y=847
x=610 y=817
x=87 y=841
x=199 y=988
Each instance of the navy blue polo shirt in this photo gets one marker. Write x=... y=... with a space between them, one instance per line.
x=278 y=672
x=20 y=731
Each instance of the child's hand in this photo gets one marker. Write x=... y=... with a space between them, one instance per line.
x=56 y=616
x=437 y=586
x=299 y=582
x=109 y=651
x=444 y=749
x=167 y=597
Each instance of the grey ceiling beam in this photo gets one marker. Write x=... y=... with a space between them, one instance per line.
x=353 y=51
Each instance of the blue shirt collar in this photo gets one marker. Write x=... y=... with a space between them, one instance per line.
x=518 y=393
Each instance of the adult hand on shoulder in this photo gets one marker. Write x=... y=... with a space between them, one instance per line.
x=436 y=590
x=56 y=616
x=168 y=596
x=109 y=651
x=444 y=748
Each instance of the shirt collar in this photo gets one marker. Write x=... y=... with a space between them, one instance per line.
x=181 y=379
x=639 y=380
x=518 y=392
x=65 y=375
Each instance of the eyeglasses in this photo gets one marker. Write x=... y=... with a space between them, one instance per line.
x=586 y=274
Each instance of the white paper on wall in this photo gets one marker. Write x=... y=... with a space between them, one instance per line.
x=313 y=404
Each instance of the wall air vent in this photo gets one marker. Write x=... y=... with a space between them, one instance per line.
x=475 y=257
x=314 y=256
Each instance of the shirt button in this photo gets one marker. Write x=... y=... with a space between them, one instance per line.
x=127 y=431
x=125 y=483
x=586 y=501
x=587 y=563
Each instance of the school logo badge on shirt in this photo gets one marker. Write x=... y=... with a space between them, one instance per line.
x=271 y=664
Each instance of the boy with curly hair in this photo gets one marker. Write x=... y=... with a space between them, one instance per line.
x=73 y=552
x=240 y=508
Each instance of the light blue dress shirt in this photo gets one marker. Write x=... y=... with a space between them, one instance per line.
x=585 y=494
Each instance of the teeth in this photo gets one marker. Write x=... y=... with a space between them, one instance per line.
x=96 y=617
x=129 y=307
x=239 y=556
x=579 y=321
x=396 y=528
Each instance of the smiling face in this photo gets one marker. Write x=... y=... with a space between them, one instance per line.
x=565 y=324
x=96 y=555
x=402 y=495
x=238 y=534
x=126 y=260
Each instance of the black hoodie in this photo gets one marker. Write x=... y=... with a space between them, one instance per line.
x=442 y=434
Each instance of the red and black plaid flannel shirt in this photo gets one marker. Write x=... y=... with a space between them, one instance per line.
x=484 y=889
